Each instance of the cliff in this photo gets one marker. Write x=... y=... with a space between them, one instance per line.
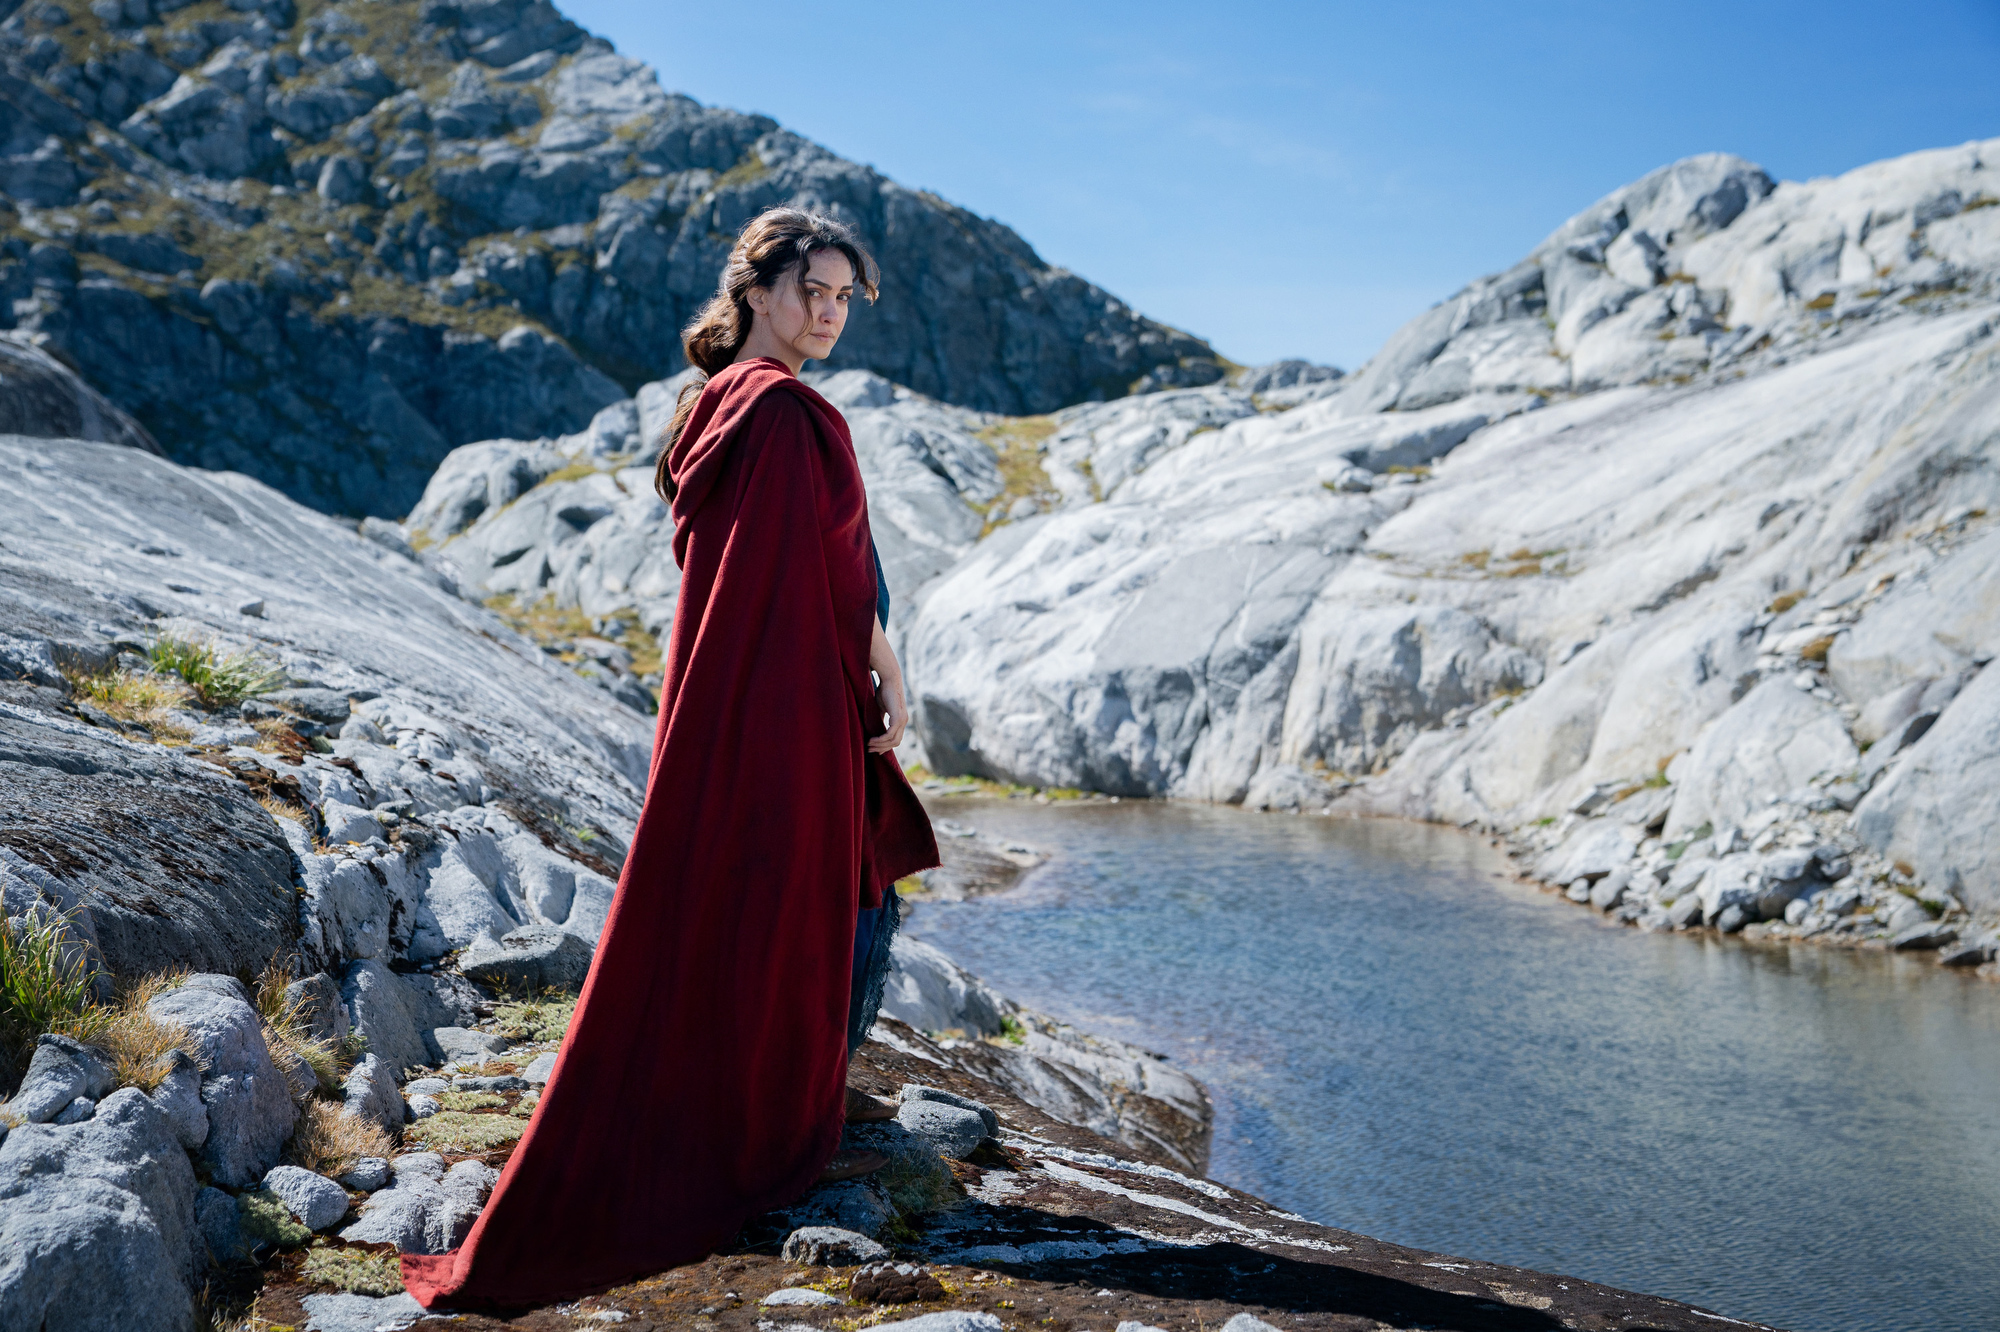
x=323 y=244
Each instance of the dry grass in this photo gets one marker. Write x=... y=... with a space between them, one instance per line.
x=1817 y=649
x=1018 y=445
x=283 y=809
x=1780 y=604
x=285 y=1024
x=139 y=1043
x=138 y=699
x=356 y=1271
x=329 y=1143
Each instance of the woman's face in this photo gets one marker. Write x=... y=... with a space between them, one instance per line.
x=809 y=323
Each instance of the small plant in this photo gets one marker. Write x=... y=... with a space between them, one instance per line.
x=1545 y=821
x=217 y=678
x=356 y=1271
x=1784 y=602
x=459 y=1131
x=472 y=1100
x=327 y=1142
x=46 y=982
x=543 y=1017
x=1817 y=649
x=267 y=1222
x=1011 y=1030
x=286 y=1024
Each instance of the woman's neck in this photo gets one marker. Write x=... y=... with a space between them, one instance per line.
x=760 y=343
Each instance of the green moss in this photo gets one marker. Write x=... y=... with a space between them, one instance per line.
x=266 y=1221
x=356 y=1271
x=474 y=1100
x=746 y=172
x=539 y=1018
x=458 y=1131
x=1018 y=445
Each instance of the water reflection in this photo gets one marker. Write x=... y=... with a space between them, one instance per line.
x=1403 y=1042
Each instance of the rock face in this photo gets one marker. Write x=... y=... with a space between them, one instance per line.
x=249 y=1102
x=325 y=248
x=1699 y=483
x=97 y=1222
x=44 y=398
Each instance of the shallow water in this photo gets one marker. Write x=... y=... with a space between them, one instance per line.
x=1402 y=1043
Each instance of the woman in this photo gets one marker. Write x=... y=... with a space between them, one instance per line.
x=703 y=1079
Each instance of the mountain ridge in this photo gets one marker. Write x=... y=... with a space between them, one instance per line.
x=325 y=243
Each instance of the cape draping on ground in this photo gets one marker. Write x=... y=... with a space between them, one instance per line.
x=703 y=1078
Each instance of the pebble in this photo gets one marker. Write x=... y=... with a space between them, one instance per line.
x=315 y=1200
x=367 y=1175
x=541 y=1069
x=423 y=1107
x=426 y=1087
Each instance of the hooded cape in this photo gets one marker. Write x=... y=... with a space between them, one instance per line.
x=703 y=1078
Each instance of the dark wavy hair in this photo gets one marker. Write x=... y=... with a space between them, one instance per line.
x=775 y=243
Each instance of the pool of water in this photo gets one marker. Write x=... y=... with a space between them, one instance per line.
x=1401 y=1042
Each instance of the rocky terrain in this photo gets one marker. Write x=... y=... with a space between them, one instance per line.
x=1666 y=556
x=324 y=243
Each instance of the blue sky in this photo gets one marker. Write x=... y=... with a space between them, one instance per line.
x=1299 y=179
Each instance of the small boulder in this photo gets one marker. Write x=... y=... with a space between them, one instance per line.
x=315 y=1200
x=830 y=1246
x=1923 y=937
x=503 y=1082
x=316 y=1001
x=221 y=1227
x=856 y=1204
x=179 y=1094
x=949 y=1130
x=458 y=1043
x=371 y=1095
x=423 y=1107
x=1244 y=1322
x=894 y=1283
x=915 y=1091
x=348 y=823
x=951 y=1320
x=361 y=1313
x=1965 y=954
x=367 y=1175
x=534 y=957
x=1609 y=891
x=249 y=1101
x=61 y=1070
x=540 y=1069
x=426 y=1087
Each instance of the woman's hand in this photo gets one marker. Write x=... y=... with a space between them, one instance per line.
x=888 y=693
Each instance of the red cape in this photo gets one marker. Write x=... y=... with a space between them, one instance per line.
x=703 y=1078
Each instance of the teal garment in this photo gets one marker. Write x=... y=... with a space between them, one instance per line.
x=871 y=940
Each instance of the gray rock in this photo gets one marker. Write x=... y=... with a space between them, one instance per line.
x=1578 y=891
x=1923 y=937
x=97 y=1222
x=915 y=1091
x=534 y=957
x=1244 y=1322
x=1609 y=891
x=497 y=1083
x=1684 y=912
x=1732 y=918
x=249 y=1101
x=401 y=1214
x=1775 y=740
x=76 y=1111
x=830 y=1246
x=426 y=1087
x=45 y=399
x=1965 y=954
x=316 y=1001
x=360 y=1313
x=370 y=1094
x=367 y=1175
x=1133 y=1325
x=61 y=1070
x=221 y=1227
x=950 y=1130
x=459 y=1043
x=346 y=824
x=315 y=1200
x=179 y=1095
x=931 y=992
x=857 y=1205
x=393 y=1015
x=540 y=1069
x=1902 y=914
x=951 y=1320
x=805 y=1296
x=423 y=1106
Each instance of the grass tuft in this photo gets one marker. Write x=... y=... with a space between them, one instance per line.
x=1784 y=602
x=286 y=1024
x=46 y=982
x=472 y=1100
x=217 y=678
x=267 y=1222
x=329 y=1143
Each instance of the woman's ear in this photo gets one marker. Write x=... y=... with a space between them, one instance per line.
x=759 y=300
